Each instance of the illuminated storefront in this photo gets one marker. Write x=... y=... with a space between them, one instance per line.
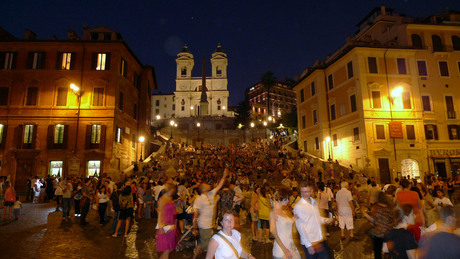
x=55 y=168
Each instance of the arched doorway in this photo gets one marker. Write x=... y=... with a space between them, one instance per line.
x=409 y=167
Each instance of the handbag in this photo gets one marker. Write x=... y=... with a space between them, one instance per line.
x=230 y=244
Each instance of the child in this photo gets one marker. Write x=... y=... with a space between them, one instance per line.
x=17 y=208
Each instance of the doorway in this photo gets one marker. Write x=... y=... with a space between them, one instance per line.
x=384 y=170
x=24 y=169
x=409 y=167
x=440 y=168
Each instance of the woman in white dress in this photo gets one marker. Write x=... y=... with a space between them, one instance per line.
x=226 y=244
x=281 y=220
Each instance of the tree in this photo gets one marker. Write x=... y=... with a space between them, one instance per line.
x=268 y=80
x=290 y=119
x=243 y=113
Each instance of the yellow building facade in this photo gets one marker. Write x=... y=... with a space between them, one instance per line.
x=386 y=102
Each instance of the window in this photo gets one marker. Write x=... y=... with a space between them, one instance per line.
x=98 y=97
x=416 y=41
x=380 y=131
x=101 y=61
x=32 y=96
x=443 y=68
x=218 y=107
x=182 y=108
x=437 y=43
x=303 y=122
x=421 y=65
x=137 y=81
x=64 y=61
x=450 y=107
x=353 y=103
x=36 y=60
x=119 y=135
x=313 y=89
x=96 y=134
x=28 y=134
x=218 y=71
x=456 y=42
x=317 y=143
x=376 y=101
x=350 y=69
x=402 y=70
x=2 y=135
x=372 y=63
x=4 y=93
x=302 y=96
x=431 y=132
x=356 y=134
x=315 y=117
x=453 y=131
x=330 y=81
x=334 y=140
x=410 y=131
x=342 y=109
x=120 y=103
x=305 y=146
x=183 y=71
x=123 y=68
x=7 y=60
x=157 y=102
x=107 y=35
x=406 y=100
x=157 y=111
x=59 y=134
x=333 y=112
x=135 y=111
x=61 y=96
x=173 y=107
x=426 y=103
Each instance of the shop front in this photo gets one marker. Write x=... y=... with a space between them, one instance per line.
x=445 y=162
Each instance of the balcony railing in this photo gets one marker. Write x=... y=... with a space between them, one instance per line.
x=451 y=115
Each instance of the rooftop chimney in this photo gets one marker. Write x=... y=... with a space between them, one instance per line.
x=29 y=35
x=383 y=10
x=72 y=35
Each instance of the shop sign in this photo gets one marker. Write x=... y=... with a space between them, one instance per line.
x=396 y=130
x=444 y=152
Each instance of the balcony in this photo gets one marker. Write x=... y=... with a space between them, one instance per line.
x=451 y=115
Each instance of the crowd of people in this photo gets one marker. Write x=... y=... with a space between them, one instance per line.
x=216 y=187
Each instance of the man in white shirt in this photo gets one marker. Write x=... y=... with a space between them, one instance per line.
x=309 y=223
x=66 y=187
x=441 y=200
x=346 y=210
x=204 y=213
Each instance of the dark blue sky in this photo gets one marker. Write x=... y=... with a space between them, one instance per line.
x=284 y=36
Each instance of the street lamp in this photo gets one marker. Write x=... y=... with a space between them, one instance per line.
x=141 y=139
x=328 y=147
x=198 y=126
x=158 y=116
x=252 y=130
x=77 y=92
x=265 y=129
x=172 y=125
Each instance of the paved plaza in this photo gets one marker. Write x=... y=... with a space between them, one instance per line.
x=40 y=232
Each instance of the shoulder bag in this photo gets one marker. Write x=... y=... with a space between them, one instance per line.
x=229 y=244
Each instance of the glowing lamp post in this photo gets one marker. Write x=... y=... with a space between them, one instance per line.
x=328 y=147
x=198 y=125
x=172 y=125
x=77 y=92
x=141 y=140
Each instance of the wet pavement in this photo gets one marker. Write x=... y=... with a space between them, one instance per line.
x=41 y=232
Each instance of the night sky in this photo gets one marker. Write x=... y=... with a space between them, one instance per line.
x=284 y=36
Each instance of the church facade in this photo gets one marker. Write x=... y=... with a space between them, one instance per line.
x=192 y=92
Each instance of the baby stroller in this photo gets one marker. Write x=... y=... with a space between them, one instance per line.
x=187 y=241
